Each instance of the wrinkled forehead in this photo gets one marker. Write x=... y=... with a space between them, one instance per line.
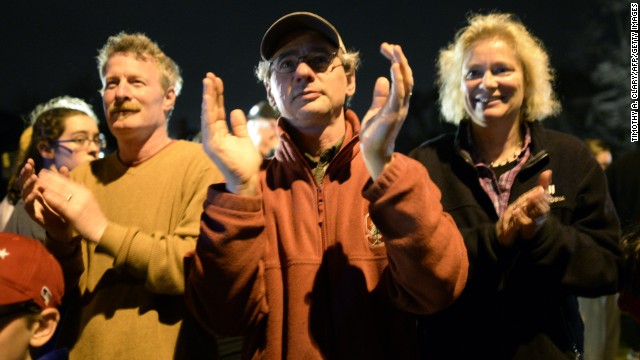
x=131 y=59
x=301 y=42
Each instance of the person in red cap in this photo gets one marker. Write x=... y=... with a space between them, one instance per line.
x=31 y=289
x=331 y=250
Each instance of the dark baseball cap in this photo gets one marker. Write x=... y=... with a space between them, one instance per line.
x=295 y=22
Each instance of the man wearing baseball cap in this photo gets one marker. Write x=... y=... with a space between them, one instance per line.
x=331 y=250
x=31 y=289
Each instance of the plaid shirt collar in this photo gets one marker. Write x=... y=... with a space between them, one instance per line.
x=499 y=189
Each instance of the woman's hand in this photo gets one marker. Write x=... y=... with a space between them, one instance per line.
x=525 y=216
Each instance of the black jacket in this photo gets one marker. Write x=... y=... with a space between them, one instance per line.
x=624 y=177
x=520 y=302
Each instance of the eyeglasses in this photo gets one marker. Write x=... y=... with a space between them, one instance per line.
x=318 y=61
x=84 y=141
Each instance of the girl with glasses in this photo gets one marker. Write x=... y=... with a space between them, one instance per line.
x=64 y=134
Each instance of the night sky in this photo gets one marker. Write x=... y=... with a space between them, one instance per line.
x=49 y=49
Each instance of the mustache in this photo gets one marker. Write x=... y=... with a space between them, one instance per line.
x=116 y=108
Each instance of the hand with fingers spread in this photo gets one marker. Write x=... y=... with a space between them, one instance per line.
x=388 y=110
x=232 y=152
x=525 y=216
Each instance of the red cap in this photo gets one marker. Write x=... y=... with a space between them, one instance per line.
x=28 y=272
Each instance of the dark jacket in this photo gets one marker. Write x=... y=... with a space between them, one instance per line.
x=624 y=177
x=520 y=302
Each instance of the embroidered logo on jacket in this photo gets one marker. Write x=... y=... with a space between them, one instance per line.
x=374 y=237
x=551 y=191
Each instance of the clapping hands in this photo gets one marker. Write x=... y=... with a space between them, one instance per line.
x=525 y=216
x=389 y=108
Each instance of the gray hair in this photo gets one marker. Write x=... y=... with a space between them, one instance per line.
x=143 y=48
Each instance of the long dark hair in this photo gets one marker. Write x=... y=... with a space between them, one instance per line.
x=47 y=128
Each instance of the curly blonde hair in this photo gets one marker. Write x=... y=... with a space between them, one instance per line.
x=539 y=99
x=143 y=48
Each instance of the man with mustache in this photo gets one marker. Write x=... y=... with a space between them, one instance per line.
x=331 y=250
x=121 y=225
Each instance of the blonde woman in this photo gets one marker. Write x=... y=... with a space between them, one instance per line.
x=535 y=241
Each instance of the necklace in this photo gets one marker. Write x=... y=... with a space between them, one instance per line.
x=510 y=158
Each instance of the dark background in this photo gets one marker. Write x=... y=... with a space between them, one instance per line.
x=49 y=49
